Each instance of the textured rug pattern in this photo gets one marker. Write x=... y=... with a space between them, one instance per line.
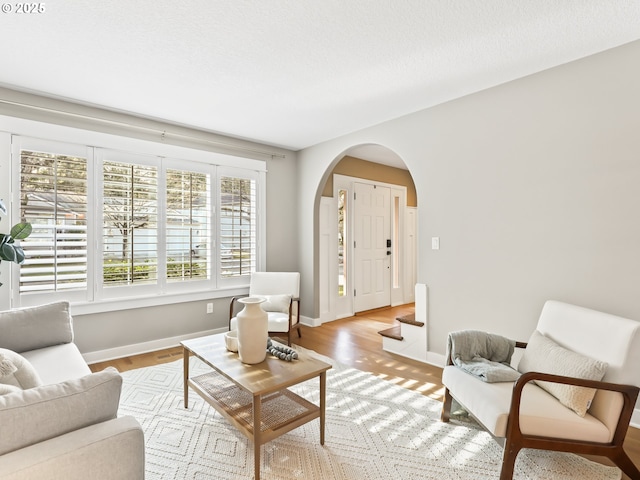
x=374 y=430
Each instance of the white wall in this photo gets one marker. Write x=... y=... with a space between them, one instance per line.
x=532 y=187
x=282 y=203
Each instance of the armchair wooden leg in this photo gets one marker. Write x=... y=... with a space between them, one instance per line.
x=622 y=460
x=445 y=415
x=508 y=460
x=299 y=333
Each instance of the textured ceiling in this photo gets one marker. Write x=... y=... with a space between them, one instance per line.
x=294 y=73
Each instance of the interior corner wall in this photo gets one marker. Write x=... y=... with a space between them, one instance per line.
x=532 y=187
x=282 y=210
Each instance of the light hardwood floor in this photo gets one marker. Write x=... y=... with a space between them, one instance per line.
x=355 y=341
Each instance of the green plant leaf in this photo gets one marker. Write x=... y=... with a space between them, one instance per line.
x=20 y=257
x=8 y=252
x=20 y=231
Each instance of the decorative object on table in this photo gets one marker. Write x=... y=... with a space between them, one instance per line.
x=231 y=340
x=281 y=291
x=281 y=352
x=9 y=251
x=252 y=331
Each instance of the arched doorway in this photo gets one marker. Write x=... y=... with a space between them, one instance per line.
x=367 y=233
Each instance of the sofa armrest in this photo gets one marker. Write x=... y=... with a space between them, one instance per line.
x=629 y=394
x=32 y=328
x=111 y=450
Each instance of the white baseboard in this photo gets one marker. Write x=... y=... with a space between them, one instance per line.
x=436 y=359
x=145 y=347
x=310 y=322
x=160 y=344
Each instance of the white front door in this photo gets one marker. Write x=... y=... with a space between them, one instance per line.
x=372 y=234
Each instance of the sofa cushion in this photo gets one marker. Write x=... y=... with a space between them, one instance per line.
x=41 y=413
x=5 y=388
x=546 y=356
x=21 y=373
x=540 y=412
x=36 y=327
x=59 y=363
x=277 y=322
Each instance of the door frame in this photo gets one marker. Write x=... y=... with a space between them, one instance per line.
x=332 y=306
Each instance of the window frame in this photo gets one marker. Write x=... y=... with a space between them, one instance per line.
x=93 y=300
x=103 y=292
x=63 y=148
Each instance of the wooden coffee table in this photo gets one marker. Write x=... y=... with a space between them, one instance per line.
x=250 y=395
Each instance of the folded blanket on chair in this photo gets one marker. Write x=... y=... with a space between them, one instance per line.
x=485 y=355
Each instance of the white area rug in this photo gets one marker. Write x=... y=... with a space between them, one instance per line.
x=374 y=430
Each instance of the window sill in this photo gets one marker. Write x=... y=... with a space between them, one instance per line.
x=129 y=303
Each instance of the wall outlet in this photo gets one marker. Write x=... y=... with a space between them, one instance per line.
x=209 y=307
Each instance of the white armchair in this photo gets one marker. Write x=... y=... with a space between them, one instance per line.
x=543 y=409
x=281 y=290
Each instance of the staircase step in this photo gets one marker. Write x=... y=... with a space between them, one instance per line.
x=393 y=332
x=410 y=319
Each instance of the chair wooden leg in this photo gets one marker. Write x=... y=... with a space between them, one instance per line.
x=299 y=333
x=622 y=460
x=445 y=415
x=508 y=460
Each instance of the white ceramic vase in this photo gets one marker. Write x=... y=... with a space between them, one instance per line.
x=253 y=331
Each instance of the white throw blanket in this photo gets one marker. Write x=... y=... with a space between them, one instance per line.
x=485 y=355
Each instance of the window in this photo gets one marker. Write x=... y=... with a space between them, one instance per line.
x=53 y=198
x=342 y=237
x=112 y=224
x=237 y=226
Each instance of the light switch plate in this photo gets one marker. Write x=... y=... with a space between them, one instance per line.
x=435 y=243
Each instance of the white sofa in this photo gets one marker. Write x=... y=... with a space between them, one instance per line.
x=569 y=340
x=66 y=428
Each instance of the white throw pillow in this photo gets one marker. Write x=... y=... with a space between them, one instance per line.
x=276 y=303
x=546 y=356
x=16 y=370
x=31 y=416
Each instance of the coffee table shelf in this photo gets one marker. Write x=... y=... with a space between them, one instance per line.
x=281 y=411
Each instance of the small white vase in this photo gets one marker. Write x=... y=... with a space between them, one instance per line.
x=253 y=331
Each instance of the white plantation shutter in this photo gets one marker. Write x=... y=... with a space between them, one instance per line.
x=238 y=226
x=130 y=223
x=188 y=217
x=53 y=198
